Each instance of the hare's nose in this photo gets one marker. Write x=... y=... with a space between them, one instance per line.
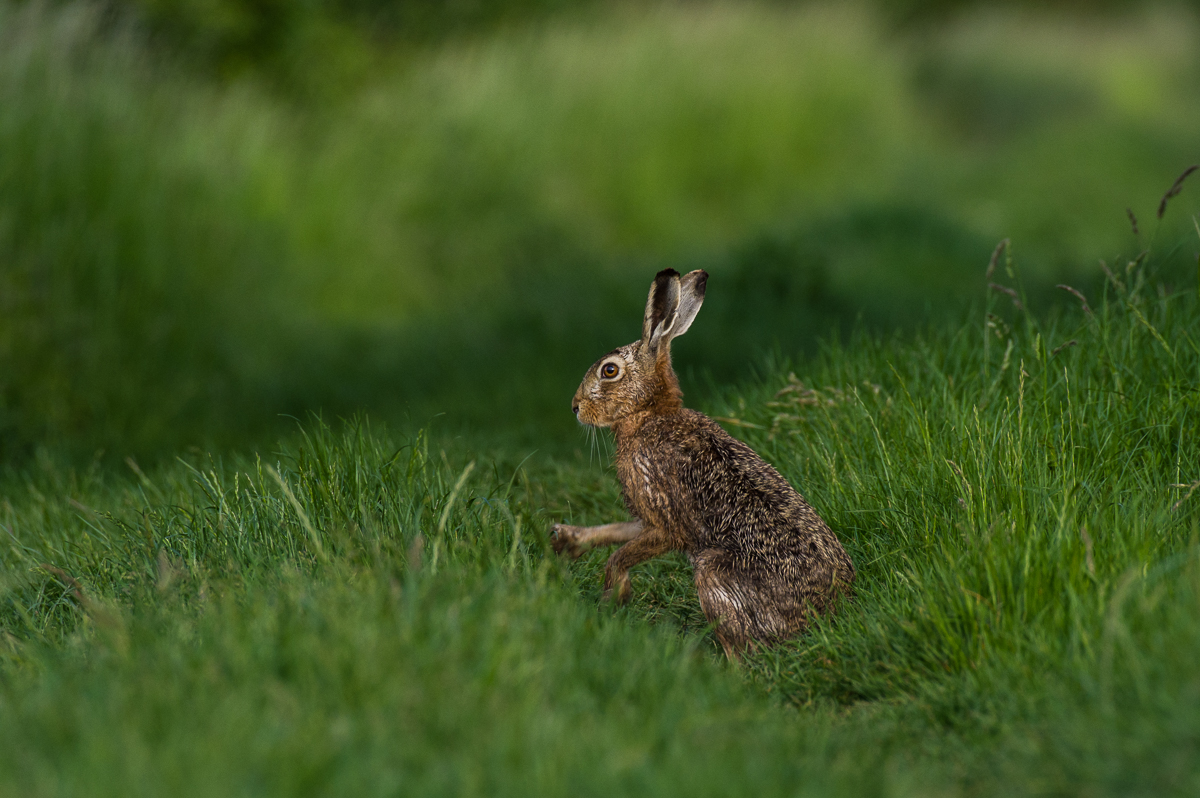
x=575 y=408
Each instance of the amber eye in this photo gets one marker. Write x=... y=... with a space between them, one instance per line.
x=609 y=370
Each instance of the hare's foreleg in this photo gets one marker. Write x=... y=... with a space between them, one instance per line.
x=652 y=542
x=575 y=540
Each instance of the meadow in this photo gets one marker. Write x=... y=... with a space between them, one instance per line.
x=285 y=373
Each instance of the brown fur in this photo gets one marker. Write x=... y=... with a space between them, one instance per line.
x=764 y=561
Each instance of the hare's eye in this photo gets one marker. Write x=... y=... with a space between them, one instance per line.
x=609 y=370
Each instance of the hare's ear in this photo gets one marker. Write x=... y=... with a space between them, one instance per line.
x=691 y=296
x=671 y=307
x=660 y=308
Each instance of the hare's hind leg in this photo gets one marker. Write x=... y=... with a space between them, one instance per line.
x=726 y=610
x=742 y=610
x=575 y=540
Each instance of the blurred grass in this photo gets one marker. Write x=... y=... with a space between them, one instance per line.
x=183 y=261
x=132 y=275
x=230 y=39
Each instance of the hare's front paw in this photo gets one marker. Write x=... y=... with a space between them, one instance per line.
x=565 y=540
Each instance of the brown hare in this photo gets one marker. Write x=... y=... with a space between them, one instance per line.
x=764 y=561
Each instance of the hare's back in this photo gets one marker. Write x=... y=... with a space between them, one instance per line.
x=741 y=503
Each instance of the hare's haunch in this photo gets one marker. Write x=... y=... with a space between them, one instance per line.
x=764 y=560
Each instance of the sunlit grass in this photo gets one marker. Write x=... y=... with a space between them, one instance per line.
x=357 y=609
x=667 y=132
x=183 y=262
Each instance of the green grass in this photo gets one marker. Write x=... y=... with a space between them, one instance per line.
x=183 y=261
x=202 y=595
x=361 y=611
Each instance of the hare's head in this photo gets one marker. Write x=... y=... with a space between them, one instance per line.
x=638 y=377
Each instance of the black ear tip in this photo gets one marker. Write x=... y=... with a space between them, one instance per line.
x=666 y=274
x=701 y=282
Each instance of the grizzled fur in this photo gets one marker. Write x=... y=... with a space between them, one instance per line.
x=764 y=561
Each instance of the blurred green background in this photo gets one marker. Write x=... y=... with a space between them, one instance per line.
x=216 y=215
